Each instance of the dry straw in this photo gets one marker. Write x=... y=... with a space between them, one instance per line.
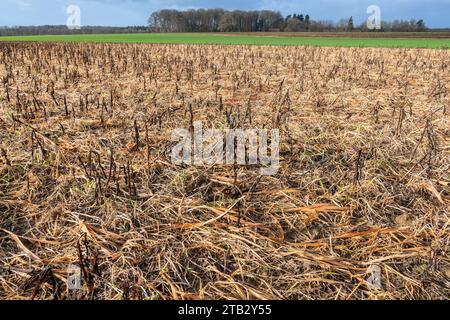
x=86 y=178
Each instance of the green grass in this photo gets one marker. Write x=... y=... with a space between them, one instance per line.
x=199 y=38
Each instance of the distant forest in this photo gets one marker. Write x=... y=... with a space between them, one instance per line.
x=62 y=29
x=220 y=20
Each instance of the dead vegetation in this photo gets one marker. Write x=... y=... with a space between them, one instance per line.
x=86 y=177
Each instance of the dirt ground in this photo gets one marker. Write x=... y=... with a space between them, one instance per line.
x=408 y=35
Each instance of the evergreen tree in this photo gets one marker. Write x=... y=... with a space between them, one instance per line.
x=421 y=25
x=307 y=22
x=350 y=26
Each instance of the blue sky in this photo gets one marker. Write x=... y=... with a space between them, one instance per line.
x=135 y=12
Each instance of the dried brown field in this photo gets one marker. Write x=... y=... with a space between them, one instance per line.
x=86 y=177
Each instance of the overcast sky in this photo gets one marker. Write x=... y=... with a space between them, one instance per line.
x=135 y=12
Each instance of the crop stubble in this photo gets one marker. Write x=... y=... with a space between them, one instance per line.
x=86 y=178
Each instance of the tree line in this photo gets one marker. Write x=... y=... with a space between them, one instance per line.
x=214 y=20
x=220 y=20
x=62 y=29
